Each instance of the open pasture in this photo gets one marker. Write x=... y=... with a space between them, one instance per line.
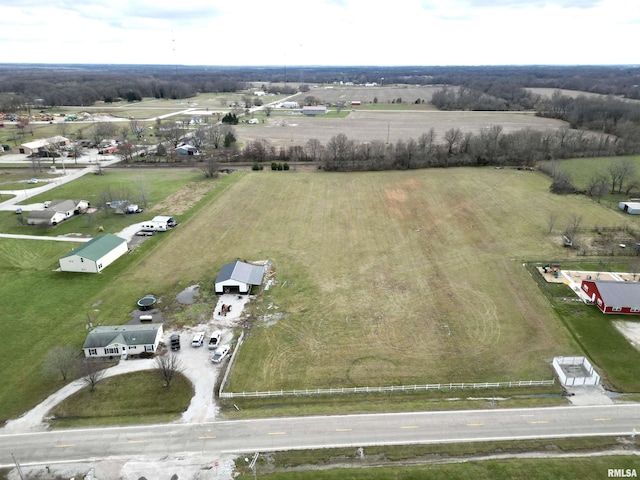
x=383 y=278
x=408 y=94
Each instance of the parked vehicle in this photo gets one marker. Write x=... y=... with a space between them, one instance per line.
x=33 y=180
x=198 y=339
x=220 y=353
x=174 y=341
x=214 y=340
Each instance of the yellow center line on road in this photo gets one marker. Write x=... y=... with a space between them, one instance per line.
x=65 y=445
x=409 y=426
x=343 y=429
x=601 y=419
x=204 y=438
x=540 y=421
x=277 y=433
x=475 y=424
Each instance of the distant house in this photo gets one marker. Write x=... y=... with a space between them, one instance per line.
x=42 y=145
x=632 y=208
x=612 y=296
x=238 y=277
x=290 y=105
x=57 y=211
x=45 y=217
x=314 y=110
x=186 y=149
x=95 y=255
x=123 y=340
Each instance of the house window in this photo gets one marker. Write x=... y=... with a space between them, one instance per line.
x=148 y=348
x=616 y=309
x=111 y=351
x=93 y=351
x=585 y=287
x=81 y=260
x=599 y=302
x=635 y=310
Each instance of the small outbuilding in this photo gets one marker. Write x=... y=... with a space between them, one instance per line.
x=632 y=208
x=314 y=110
x=122 y=340
x=42 y=145
x=615 y=297
x=95 y=255
x=238 y=277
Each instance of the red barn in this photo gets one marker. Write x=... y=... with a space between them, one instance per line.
x=613 y=297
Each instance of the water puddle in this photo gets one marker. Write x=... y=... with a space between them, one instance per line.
x=188 y=295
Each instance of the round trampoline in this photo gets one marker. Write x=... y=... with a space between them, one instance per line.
x=146 y=302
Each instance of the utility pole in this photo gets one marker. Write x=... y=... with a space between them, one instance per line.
x=18 y=467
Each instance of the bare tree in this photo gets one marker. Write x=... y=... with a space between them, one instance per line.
x=62 y=360
x=167 y=366
x=619 y=171
x=596 y=186
x=267 y=110
x=102 y=131
x=92 y=373
x=574 y=222
x=77 y=150
x=313 y=148
x=209 y=165
x=452 y=137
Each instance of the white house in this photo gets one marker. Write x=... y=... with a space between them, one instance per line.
x=238 y=277
x=632 y=208
x=290 y=105
x=95 y=255
x=122 y=340
x=45 y=217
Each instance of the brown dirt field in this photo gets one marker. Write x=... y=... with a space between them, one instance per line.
x=385 y=125
x=184 y=199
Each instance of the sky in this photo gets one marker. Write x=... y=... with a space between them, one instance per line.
x=321 y=32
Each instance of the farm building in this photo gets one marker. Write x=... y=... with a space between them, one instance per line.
x=613 y=297
x=123 y=340
x=95 y=255
x=314 y=110
x=632 y=208
x=238 y=277
x=43 y=145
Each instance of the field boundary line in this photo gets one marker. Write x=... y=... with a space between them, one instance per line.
x=393 y=388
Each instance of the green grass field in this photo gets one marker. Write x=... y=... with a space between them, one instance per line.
x=383 y=278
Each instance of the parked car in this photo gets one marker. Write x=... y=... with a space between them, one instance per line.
x=198 y=339
x=174 y=341
x=214 y=340
x=33 y=180
x=220 y=353
x=47 y=204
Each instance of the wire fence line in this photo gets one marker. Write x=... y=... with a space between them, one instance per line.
x=396 y=388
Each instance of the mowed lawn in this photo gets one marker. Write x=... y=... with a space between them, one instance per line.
x=385 y=277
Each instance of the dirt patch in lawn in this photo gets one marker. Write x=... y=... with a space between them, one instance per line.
x=185 y=198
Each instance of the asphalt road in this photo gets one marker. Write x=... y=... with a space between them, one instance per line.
x=247 y=436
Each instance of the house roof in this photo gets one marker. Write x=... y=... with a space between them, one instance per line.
x=42 y=214
x=97 y=247
x=241 y=272
x=619 y=294
x=62 y=205
x=123 y=334
x=43 y=142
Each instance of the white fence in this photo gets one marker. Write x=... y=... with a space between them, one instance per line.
x=582 y=364
x=397 y=388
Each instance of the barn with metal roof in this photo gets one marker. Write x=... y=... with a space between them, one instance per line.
x=613 y=297
x=238 y=277
x=95 y=255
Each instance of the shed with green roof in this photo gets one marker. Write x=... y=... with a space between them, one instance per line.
x=95 y=255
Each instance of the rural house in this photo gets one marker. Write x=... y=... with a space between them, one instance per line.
x=613 y=297
x=95 y=255
x=122 y=340
x=238 y=277
x=45 y=217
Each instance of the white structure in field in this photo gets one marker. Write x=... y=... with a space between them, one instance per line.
x=238 y=277
x=122 y=340
x=95 y=255
x=575 y=371
x=632 y=208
